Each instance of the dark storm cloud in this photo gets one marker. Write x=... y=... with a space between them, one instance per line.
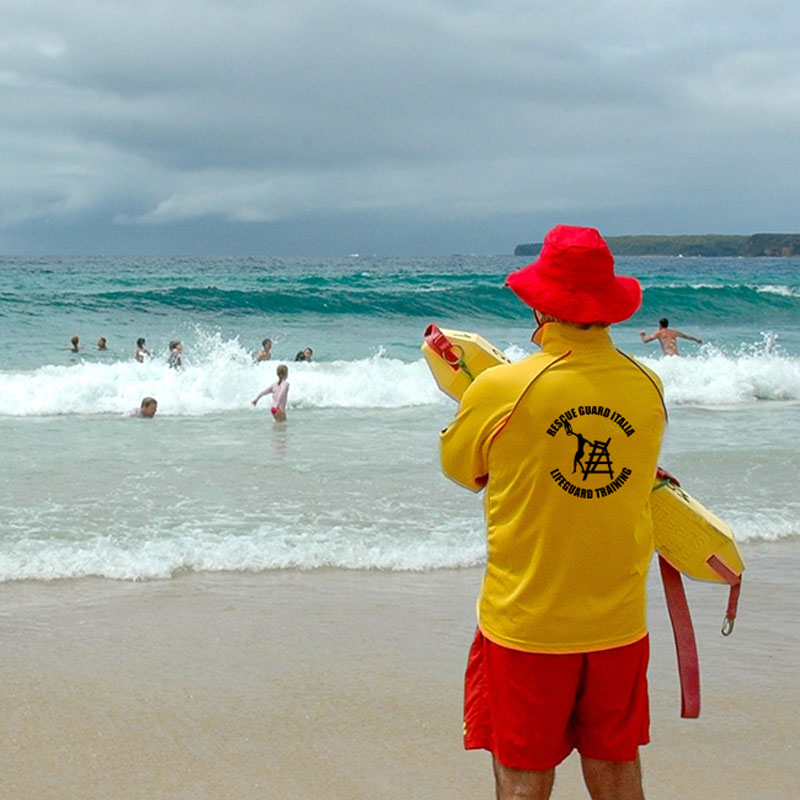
x=141 y=114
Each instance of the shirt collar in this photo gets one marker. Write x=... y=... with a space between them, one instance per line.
x=556 y=337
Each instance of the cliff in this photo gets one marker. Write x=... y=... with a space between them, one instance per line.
x=759 y=244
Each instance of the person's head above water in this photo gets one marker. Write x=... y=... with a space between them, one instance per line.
x=140 y=341
x=282 y=371
x=149 y=407
x=663 y=322
x=573 y=280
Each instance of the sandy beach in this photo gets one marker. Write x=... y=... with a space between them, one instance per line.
x=345 y=684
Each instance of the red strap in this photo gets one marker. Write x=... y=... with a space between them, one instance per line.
x=441 y=345
x=685 y=645
x=734 y=578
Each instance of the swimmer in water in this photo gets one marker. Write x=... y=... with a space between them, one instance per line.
x=140 y=351
x=279 y=391
x=265 y=353
x=667 y=337
x=175 y=353
x=146 y=410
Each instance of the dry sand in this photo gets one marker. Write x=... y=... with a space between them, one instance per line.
x=346 y=685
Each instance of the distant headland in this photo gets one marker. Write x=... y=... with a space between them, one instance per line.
x=782 y=245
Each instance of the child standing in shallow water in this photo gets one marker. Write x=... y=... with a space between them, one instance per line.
x=279 y=391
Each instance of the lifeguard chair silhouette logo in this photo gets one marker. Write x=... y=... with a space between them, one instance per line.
x=598 y=461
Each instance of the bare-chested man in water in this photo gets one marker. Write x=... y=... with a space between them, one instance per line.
x=667 y=337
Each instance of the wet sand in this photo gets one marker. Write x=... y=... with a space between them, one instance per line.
x=339 y=684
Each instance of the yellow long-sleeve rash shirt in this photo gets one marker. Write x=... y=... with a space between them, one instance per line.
x=565 y=443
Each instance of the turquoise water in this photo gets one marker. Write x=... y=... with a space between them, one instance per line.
x=45 y=301
x=352 y=480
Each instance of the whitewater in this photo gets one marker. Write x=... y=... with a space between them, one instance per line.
x=352 y=480
x=221 y=376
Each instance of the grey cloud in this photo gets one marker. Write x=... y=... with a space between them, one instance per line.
x=256 y=113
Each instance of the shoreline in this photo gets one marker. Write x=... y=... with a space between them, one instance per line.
x=346 y=684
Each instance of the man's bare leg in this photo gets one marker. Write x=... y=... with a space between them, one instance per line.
x=613 y=780
x=522 y=784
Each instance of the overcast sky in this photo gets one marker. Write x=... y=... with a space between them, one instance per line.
x=316 y=127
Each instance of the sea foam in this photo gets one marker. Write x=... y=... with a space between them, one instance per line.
x=266 y=548
x=219 y=376
x=714 y=377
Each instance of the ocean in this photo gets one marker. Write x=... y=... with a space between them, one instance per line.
x=352 y=480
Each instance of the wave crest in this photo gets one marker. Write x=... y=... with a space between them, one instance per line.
x=752 y=372
x=220 y=376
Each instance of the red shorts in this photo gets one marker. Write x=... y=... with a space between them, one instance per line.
x=531 y=709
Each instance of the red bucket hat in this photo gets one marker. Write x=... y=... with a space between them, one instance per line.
x=573 y=279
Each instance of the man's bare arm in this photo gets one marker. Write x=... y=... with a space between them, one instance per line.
x=687 y=336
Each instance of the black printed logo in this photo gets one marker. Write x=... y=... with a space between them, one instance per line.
x=592 y=457
x=598 y=460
